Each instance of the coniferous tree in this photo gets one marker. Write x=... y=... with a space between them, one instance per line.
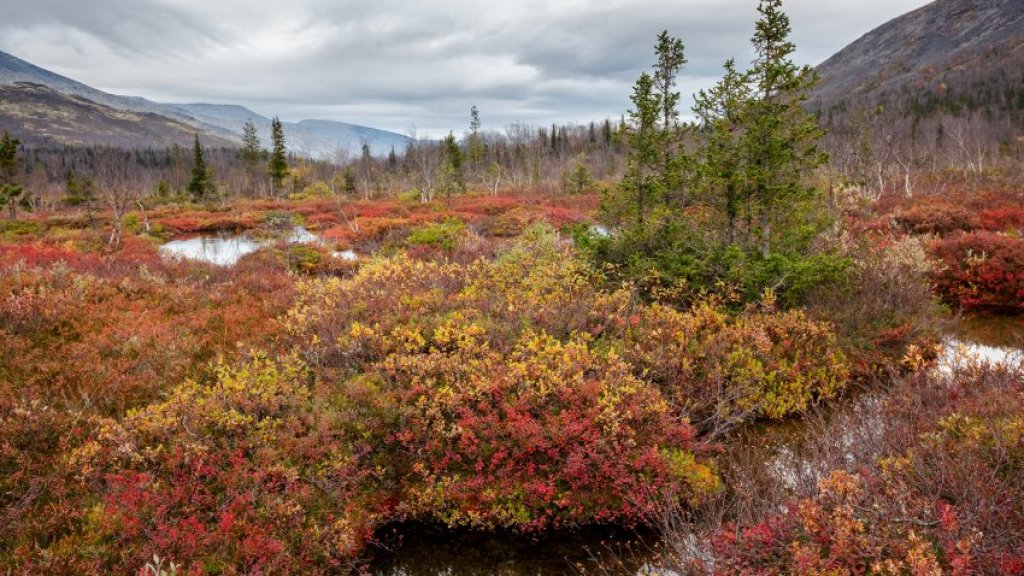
x=10 y=192
x=475 y=144
x=201 y=185
x=671 y=59
x=720 y=175
x=278 y=165
x=641 y=186
x=755 y=150
x=454 y=180
x=251 y=150
x=780 y=137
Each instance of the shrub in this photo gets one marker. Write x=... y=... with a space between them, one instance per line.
x=981 y=270
x=886 y=305
x=551 y=434
x=936 y=218
x=443 y=234
x=239 y=476
x=1003 y=219
x=724 y=370
x=940 y=495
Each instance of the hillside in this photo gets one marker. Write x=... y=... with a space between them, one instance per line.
x=83 y=115
x=39 y=115
x=949 y=57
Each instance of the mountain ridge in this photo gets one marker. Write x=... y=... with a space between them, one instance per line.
x=220 y=124
x=942 y=46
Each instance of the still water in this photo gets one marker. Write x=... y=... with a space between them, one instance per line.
x=227 y=250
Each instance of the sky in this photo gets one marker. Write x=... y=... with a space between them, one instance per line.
x=411 y=66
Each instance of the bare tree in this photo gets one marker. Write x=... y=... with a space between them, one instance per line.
x=120 y=186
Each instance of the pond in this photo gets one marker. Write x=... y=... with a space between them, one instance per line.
x=228 y=249
x=219 y=250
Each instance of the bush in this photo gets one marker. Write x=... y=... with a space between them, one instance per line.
x=442 y=234
x=936 y=218
x=981 y=271
x=504 y=362
x=239 y=476
x=723 y=370
x=1003 y=219
x=550 y=435
x=886 y=305
x=940 y=497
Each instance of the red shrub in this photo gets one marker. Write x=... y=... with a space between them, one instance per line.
x=936 y=218
x=981 y=270
x=1002 y=218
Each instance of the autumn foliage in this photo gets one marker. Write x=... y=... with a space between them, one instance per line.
x=981 y=270
x=942 y=496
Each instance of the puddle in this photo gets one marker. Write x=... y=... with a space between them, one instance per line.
x=349 y=255
x=219 y=250
x=227 y=250
x=988 y=339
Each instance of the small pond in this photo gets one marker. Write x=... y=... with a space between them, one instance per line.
x=228 y=249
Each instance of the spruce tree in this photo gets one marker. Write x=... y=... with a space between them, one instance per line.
x=251 y=150
x=10 y=192
x=780 y=137
x=278 y=165
x=200 y=184
x=671 y=59
x=641 y=186
x=454 y=180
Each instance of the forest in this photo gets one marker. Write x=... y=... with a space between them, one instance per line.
x=728 y=331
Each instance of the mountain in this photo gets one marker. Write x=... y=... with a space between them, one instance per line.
x=948 y=57
x=40 y=106
x=40 y=115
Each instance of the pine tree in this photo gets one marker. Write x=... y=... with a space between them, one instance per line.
x=200 y=185
x=278 y=165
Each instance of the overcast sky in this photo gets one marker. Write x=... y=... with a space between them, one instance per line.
x=400 y=64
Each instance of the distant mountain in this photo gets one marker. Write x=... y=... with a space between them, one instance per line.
x=41 y=106
x=40 y=115
x=948 y=57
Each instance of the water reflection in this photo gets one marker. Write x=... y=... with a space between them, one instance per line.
x=227 y=250
x=219 y=250
x=989 y=339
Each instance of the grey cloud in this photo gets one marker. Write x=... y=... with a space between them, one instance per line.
x=397 y=63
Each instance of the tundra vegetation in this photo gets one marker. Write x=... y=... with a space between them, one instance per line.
x=543 y=331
